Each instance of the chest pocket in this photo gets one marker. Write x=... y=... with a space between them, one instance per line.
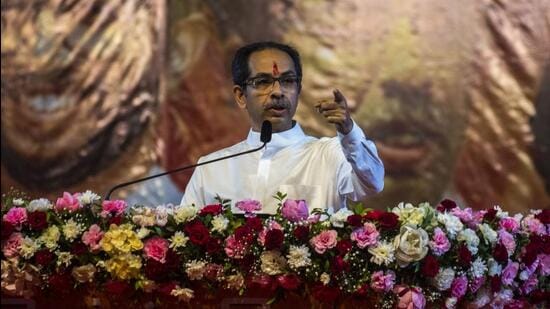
x=313 y=195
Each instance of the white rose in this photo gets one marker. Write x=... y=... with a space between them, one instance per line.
x=340 y=217
x=183 y=214
x=410 y=245
x=272 y=262
x=410 y=215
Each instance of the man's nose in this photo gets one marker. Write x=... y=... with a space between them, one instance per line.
x=276 y=90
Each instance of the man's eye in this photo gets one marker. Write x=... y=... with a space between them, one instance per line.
x=288 y=80
x=263 y=82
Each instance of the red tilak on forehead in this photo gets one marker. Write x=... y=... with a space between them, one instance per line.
x=275 y=69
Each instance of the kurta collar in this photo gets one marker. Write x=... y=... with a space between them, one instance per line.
x=280 y=139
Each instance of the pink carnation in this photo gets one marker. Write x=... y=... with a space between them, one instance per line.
x=381 y=282
x=12 y=246
x=234 y=248
x=325 y=240
x=507 y=240
x=92 y=237
x=509 y=273
x=114 y=208
x=367 y=235
x=295 y=210
x=459 y=286
x=409 y=297
x=16 y=216
x=249 y=206
x=509 y=224
x=155 y=248
x=544 y=269
x=465 y=215
x=476 y=283
x=67 y=202
x=533 y=225
x=440 y=243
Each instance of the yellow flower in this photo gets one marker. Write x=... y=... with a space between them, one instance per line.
x=124 y=266
x=50 y=237
x=178 y=240
x=84 y=273
x=120 y=239
x=28 y=247
x=72 y=230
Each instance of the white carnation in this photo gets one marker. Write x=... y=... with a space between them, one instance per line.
x=408 y=214
x=88 y=197
x=452 y=223
x=494 y=267
x=184 y=214
x=500 y=213
x=143 y=232
x=18 y=201
x=450 y=302
x=478 y=268
x=444 y=279
x=482 y=298
x=470 y=238
x=340 y=217
x=298 y=256
x=195 y=269
x=488 y=233
x=161 y=215
x=41 y=204
x=219 y=223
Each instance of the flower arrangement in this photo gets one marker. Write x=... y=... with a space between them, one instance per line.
x=406 y=257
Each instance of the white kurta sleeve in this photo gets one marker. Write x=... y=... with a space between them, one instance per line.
x=363 y=173
x=194 y=192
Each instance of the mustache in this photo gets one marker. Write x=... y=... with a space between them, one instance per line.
x=277 y=104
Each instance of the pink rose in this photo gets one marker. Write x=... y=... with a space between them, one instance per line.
x=440 y=243
x=249 y=206
x=459 y=286
x=509 y=273
x=113 y=208
x=409 y=297
x=67 y=202
x=325 y=240
x=234 y=248
x=367 y=235
x=381 y=282
x=509 y=224
x=155 y=248
x=12 y=246
x=507 y=240
x=92 y=237
x=295 y=210
x=16 y=216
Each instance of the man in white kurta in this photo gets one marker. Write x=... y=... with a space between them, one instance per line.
x=324 y=172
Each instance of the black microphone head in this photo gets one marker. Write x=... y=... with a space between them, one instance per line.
x=267 y=129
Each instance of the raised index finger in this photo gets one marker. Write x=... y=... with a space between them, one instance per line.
x=339 y=97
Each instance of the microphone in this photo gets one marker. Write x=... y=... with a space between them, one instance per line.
x=265 y=137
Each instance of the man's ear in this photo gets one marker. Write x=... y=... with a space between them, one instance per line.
x=240 y=96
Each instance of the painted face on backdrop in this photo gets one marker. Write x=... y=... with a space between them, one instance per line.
x=265 y=98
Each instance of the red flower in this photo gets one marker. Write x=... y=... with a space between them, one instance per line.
x=213 y=245
x=274 y=239
x=496 y=284
x=539 y=296
x=344 y=246
x=301 y=233
x=117 y=220
x=388 y=220
x=374 y=215
x=355 y=220
x=43 y=257
x=214 y=210
x=289 y=282
x=78 y=249
x=490 y=215
x=500 y=253
x=198 y=233
x=244 y=233
x=166 y=288
x=446 y=205
x=117 y=288
x=465 y=256
x=61 y=282
x=37 y=220
x=430 y=266
x=254 y=223
x=7 y=229
x=324 y=293
x=339 y=265
x=544 y=216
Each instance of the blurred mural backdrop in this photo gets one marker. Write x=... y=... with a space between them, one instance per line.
x=456 y=94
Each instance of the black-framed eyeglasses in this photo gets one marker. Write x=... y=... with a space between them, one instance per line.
x=266 y=83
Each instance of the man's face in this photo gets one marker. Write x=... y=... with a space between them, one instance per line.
x=276 y=102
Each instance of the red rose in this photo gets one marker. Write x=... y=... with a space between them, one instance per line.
x=517 y=304
x=43 y=257
x=155 y=270
x=539 y=296
x=496 y=284
x=362 y=291
x=344 y=246
x=490 y=215
x=446 y=205
x=465 y=256
x=78 y=249
x=274 y=239
x=289 y=282
x=388 y=220
x=214 y=210
x=7 y=229
x=325 y=293
x=254 y=223
x=355 y=220
x=246 y=262
x=544 y=216
x=166 y=288
x=530 y=255
x=374 y=215
x=117 y=288
x=301 y=233
x=116 y=220
x=37 y=220
x=500 y=254
x=430 y=266
x=61 y=282
x=213 y=245
x=339 y=265
x=261 y=282
x=198 y=233
x=244 y=233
